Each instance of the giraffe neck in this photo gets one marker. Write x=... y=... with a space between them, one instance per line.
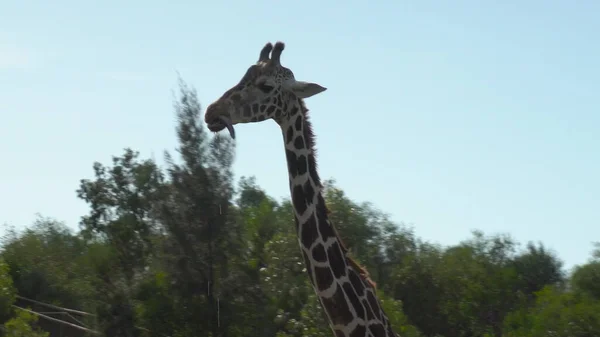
x=345 y=293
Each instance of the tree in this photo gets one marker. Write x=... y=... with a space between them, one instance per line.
x=555 y=313
x=122 y=198
x=586 y=278
x=202 y=239
x=537 y=268
x=119 y=231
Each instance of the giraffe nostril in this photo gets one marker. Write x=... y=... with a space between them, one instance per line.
x=211 y=113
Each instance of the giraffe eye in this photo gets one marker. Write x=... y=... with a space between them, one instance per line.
x=264 y=87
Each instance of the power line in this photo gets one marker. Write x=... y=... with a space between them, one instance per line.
x=56 y=307
x=62 y=313
x=65 y=311
x=58 y=320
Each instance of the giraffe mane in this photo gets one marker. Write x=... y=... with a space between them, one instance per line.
x=309 y=137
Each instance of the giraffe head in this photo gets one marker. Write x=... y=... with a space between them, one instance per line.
x=263 y=93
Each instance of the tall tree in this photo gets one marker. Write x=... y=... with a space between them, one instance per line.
x=203 y=236
x=121 y=199
x=586 y=278
x=536 y=268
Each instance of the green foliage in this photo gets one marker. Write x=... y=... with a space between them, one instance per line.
x=7 y=290
x=23 y=325
x=468 y=289
x=46 y=264
x=556 y=313
x=586 y=279
x=537 y=268
x=398 y=320
x=122 y=198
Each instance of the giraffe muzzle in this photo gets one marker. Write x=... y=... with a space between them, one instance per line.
x=217 y=117
x=220 y=123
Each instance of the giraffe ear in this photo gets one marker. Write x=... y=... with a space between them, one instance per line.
x=304 y=89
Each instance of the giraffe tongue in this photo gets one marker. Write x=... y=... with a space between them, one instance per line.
x=228 y=125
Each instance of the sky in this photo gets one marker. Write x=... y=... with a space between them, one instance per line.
x=448 y=116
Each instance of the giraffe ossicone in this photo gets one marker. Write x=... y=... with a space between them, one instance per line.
x=269 y=90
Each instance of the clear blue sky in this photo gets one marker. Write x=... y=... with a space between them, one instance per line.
x=450 y=116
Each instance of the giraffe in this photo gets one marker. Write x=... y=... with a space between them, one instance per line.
x=269 y=90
